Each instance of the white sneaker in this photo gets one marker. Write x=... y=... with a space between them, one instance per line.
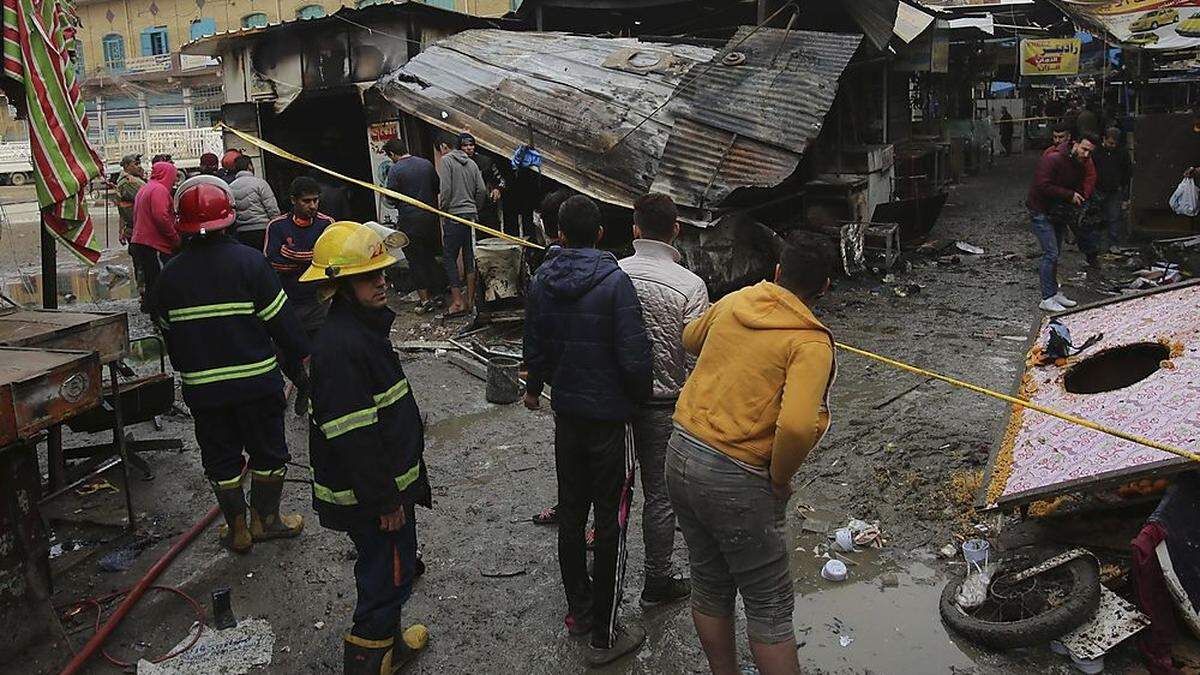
x=1052 y=305
x=1064 y=300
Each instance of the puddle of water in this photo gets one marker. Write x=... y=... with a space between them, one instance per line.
x=862 y=625
x=453 y=428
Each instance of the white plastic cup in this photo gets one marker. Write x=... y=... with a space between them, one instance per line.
x=834 y=570
x=976 y=550
x=844 y=539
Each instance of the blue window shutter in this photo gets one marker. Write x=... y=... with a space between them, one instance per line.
x=147 y=42
x=203 y=27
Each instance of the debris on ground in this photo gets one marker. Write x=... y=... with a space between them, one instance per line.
x=228 y=652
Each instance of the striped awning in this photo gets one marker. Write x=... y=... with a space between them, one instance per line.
x=39 y=47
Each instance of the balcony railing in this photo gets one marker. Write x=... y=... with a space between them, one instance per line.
x=158 y=63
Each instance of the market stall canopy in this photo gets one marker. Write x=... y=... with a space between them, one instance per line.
x=1149 y=24
x=616 y=117
x=880 y=20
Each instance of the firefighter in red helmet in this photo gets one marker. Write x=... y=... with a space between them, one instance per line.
x=223 y=312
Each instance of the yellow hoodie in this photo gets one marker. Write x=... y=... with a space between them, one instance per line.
x=760 y=389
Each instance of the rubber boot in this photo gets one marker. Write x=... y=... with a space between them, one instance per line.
x=265 y=521
x=408 y=644
x=367 y=657
x=235 y=535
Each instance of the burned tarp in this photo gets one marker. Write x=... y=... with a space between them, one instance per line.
x=615 y=117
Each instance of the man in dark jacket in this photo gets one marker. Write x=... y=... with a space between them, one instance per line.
x=223 y=312
x=1055 y=194
x=1112 y=183
x=366 y=444
x=584 y=337
x=415 y=177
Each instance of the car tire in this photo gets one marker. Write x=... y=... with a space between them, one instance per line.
x=17 y=179
x=1076 y=609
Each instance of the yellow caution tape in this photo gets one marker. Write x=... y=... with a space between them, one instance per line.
x=276 y=150
x=1066 y=417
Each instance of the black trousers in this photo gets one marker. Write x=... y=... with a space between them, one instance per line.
x=424 y=247
x=255 y=239
x=255 y=428
x=383 y=575
x=149 y=262
x=595 y=462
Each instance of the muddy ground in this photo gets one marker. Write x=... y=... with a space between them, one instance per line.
x=492 y=598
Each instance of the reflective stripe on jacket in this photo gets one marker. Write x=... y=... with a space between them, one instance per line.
x=366 y=437
x=222 y=312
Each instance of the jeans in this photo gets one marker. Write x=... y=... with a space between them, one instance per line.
x=1050 y=236
x=383 y=575
x=734 y=527
x=594 y=460
x=652 y=427
x=149 y=263
x=255 y=428
x=456 y=238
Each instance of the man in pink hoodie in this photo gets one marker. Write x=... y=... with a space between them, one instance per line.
x=154 y=237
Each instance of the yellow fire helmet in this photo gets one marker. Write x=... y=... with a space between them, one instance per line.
x=345 y=249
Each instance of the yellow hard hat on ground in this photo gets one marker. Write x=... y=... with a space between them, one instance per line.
x=345 y=249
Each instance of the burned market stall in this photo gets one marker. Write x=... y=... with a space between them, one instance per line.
x=304 y=86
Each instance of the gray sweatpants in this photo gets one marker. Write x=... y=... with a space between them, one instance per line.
x=652 y=427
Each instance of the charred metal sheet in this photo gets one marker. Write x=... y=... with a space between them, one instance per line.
x=611 y=116
x=574 y=97
x=700 y=165
x=774 y=86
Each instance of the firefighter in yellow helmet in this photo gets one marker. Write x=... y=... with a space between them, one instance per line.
x=366 y=440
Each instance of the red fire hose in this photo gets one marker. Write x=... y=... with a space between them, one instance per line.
x=137 y=592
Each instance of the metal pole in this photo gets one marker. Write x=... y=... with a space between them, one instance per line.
x=55 y=463
x=119 y=441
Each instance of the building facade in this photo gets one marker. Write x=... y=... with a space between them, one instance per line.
x=134 y=77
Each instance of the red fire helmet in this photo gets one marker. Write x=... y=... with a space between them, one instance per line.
x=204 y=204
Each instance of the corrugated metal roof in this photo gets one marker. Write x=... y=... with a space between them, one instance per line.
x=606 y=112
x=782 y=90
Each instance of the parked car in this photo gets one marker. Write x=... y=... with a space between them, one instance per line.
x=1153 y=19
x=1143 y=39
x=1189 y=27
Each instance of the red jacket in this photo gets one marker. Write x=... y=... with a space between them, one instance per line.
x=1089 y=169
x=153 y=215
x=1057 y=178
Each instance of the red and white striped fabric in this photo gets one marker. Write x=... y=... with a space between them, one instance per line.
x=38 y=39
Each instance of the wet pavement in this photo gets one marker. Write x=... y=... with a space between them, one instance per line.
x=492 y=597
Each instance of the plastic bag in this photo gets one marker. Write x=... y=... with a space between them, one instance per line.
x=974 y=589
x=1185 y=200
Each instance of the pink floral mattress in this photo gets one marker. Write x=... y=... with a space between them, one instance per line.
x=1042 y=455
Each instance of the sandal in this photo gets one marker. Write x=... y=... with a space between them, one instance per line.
x=548 y=516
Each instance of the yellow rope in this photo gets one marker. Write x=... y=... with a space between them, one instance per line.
x=276 y=150
x=1141 y=440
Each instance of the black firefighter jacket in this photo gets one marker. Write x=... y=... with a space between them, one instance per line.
x=223 y=312
x=366 y=437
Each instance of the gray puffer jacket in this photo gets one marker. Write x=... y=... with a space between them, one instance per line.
x=671 y=297
x=255 y=203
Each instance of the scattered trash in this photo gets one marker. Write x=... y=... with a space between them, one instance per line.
x=96 y=486
x=814 y=526
x=845 y=640
x=229 y=652
x=121 y=559
x=835 y=570
x=249 y=575
x=319 y=625
x=889 y=581
x=968 y=248
x=866 y=534
x=907 y=290
x=948 y=551
x=502 y=573
x=1115 y=621
x=976 y=552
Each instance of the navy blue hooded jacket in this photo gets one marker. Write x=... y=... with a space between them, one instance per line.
x=366 y=440
x=584 y=336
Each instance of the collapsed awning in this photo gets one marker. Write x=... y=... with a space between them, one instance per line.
x=616 y=117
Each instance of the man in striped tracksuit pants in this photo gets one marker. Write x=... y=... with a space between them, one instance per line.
x=223 y=311
x=584 y=336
